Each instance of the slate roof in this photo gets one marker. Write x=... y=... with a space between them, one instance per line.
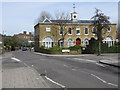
x=69 y=21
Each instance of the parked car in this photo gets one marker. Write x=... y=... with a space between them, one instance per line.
x=32 y=48
x=24 y=49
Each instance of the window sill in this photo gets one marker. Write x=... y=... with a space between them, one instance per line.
x=69 y=34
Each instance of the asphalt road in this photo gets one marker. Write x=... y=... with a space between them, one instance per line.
x=72 y=72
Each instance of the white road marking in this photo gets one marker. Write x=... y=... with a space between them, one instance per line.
x=99 y=78
x=100 y=64
x=113 y=84
x=86 y=60
x=55 y=82
x=15 y=59
x=65 y=65
x=37 y=78
x=91 y=61
x=104 y=81
x=74 y=69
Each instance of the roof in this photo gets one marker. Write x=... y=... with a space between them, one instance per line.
x=79 y=22
x=67 y=21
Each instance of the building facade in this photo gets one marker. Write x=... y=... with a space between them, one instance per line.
x=26 y=36
x=76 y=32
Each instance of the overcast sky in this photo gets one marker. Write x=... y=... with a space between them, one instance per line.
x=19 y=16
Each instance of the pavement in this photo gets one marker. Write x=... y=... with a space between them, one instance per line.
x=23 y=77
x=108 y=59
x=16 y=74
x=114 y=63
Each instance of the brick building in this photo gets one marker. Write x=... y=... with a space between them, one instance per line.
x=79 y=32
x=26 y=36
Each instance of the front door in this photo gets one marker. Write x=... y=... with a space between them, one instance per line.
x=78 y=41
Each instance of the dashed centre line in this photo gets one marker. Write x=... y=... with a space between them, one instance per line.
x=99 y=78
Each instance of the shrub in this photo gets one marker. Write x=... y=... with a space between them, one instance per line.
x=76 y=47
x=93 y=47
x=43 y=47
x=53 y=48
x=112 y=49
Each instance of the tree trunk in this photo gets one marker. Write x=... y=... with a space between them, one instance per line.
x=63 y=43
x=99 y=48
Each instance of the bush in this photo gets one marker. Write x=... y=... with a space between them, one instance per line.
x=93 y=47
x=57 y=48
x=43 y=47
x=76 y=47
x=112 y=49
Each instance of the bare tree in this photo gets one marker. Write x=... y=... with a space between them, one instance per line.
x=62 y=19
x=100 y=22
x=43 y=15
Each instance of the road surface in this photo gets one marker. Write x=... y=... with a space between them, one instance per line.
x=71 y=72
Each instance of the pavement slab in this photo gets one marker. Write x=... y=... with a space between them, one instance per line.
x=23 y=77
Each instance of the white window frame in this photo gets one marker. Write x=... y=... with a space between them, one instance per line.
x=92 y=31
x=48 y=29
x=85 y=41
x=77 y=30
x=68 y=31
x=109 y=30
x=84 y=31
